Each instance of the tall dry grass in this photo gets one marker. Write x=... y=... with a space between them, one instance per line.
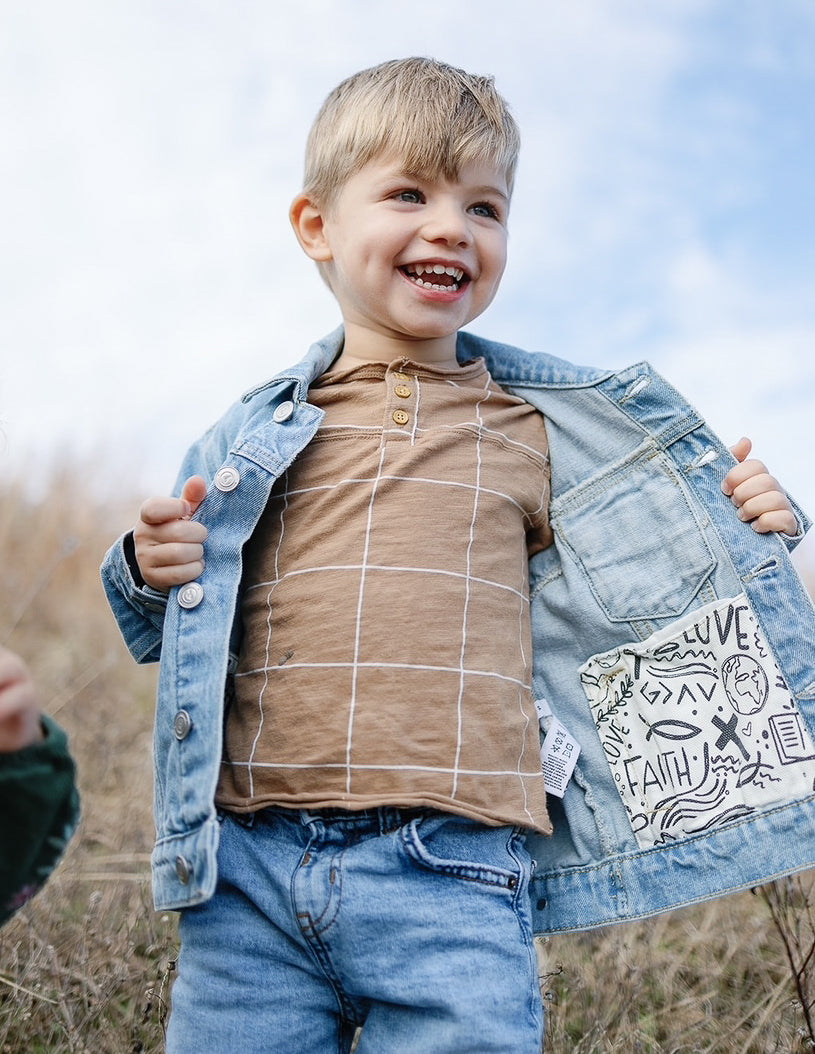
x=81 y=966
x=84 y=968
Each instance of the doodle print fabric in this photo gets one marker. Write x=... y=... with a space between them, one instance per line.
x=698 y=725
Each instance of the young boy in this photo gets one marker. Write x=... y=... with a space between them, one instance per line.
x=340 y=598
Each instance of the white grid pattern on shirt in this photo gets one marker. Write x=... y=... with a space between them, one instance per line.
x=386 y=477
x=364 y=568
x=368 y=767
x=265 y=685
x=417 y=432
x=379 y=665
x=358 y=632
x=389 y=567
x=465 y=613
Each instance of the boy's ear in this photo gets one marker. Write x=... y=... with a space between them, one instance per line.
x=308 y=222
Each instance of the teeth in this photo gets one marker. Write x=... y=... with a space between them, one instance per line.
x=420 y=269
x=433 y=285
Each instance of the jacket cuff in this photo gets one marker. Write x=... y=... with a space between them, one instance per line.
x=803 y=522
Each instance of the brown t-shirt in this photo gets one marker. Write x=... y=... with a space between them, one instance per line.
x=387 y=652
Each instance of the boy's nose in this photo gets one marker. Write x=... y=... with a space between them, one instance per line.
x=447 y=223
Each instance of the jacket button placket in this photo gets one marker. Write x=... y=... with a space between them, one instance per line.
x=190 y=595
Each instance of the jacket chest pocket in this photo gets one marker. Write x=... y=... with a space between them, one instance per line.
x=633 y=534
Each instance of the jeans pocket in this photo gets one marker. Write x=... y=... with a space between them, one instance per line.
x=468 y=850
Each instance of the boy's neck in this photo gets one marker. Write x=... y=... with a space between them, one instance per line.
x=362 y=346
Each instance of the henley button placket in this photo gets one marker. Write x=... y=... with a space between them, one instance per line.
x=400 y=406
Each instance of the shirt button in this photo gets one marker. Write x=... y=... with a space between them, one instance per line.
x=183 y=869
x=191 y=595
x=400 y=417
x=227 y=479
x=182 y=726
x=402 y=391
x=283 y=412
x=402 y=378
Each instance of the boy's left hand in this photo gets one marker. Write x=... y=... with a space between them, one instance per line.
x=757 y=495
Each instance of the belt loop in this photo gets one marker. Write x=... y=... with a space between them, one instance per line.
x=314 y=821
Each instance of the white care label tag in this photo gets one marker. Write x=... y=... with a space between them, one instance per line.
x=559 y=752
x=543 y=710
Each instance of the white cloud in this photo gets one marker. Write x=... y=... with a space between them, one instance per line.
x=150 y=152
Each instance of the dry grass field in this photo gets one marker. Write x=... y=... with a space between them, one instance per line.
x=85 y=968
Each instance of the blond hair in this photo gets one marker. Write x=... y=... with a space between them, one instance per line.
x=434 y=118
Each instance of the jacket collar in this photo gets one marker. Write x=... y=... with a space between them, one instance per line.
x=319 y=357
x=507 y=364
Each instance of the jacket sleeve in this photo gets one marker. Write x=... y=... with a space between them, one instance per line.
x=139 y=609
x=39 y=806
x=803 y=524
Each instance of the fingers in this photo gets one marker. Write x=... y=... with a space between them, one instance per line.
x=169 y=545
x=780 y=520
x=741 y=449
x=157 y=511
x=764 y=508
x=194 y=492
x=161 y=510
x=165 y=566
x=164 y=531
x=751 y=477
x=171 y=553
x=759 y=497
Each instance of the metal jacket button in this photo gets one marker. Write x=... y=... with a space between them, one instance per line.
x=227 y=479
x=283 y=412
x=182 y=726
x=191 y=595
x=183 y=869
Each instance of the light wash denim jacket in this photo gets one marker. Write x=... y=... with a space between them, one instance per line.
x=674 y=647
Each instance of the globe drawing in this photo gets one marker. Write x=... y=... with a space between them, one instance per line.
x=746 y=684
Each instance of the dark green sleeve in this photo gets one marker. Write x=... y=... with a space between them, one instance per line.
x=39 y=808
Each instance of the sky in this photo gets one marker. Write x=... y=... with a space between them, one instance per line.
x=664 y=207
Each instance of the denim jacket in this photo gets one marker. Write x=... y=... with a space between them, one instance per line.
x=673 y=647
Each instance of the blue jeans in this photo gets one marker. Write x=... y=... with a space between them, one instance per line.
x=411 y=923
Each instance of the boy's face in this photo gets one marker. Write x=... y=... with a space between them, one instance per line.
x=415 y=259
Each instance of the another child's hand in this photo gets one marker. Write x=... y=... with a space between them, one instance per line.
x=20 y=724
x=169 y=544
x=757 y=495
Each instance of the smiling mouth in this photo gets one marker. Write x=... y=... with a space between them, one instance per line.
x=435 y=276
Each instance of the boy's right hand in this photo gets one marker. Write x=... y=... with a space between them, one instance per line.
x=169 y=544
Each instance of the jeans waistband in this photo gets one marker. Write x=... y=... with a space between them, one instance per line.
x=384 y=818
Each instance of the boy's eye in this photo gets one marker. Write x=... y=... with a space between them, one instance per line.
x=413 y=196
x=484 y=208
